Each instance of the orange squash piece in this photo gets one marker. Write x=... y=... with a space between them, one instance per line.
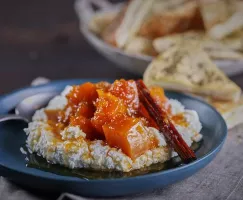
x=129 y=135
x=107 y=108
x=85 y=92
x=127 y=91
x=86 y=126
x=180 y=120
x=85 y=109
x=103 y=85
x=158 y=95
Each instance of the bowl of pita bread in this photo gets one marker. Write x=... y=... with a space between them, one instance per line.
x=134 y=33
x=183 y=45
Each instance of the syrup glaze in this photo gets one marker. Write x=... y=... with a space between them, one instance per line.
x=107 y=112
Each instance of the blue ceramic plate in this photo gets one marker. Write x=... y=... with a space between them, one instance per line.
x=13 y=164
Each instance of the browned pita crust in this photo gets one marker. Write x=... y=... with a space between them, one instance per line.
x=172 y=21
x=108 y=34
x=214 y=12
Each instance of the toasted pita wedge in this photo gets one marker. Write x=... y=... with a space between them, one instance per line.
x=214 y=12
x=234 y=41
x=222 y=17
x=161 y=44
x=215 y=48
x=236 y=5
x=232 y=112
x=187 y=68
x=137 y=11
x=140 y=45
x=174 y=20
x=108 y=34
x=224 y=54
x=100 y=21
x=231 y=25
x=221 y=50
x=165 y=6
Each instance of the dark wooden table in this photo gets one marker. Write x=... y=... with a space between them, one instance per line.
x=41 y=38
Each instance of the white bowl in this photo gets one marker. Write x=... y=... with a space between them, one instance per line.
x=130 y=62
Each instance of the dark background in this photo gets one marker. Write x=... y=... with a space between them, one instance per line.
x=42 y=38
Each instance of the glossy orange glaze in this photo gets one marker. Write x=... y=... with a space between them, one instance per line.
x=81 y=109
x=108 y=107
x=127 y=91
x=127 y=134
x=158 y=95
x=110 y=112
x=103 y=85
x=55 y=121
x=82 y=93
x=73 y=144
x=180 y=120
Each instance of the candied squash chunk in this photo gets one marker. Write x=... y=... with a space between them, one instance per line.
x=180 y=120
x=108 y=107
x=158 y=95
x=85 y=92
x=103 y=85
x=130 y=135
x=127 y=91
x=86 y=126
x=85 y=109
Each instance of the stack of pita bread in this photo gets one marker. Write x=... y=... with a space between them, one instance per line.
x=188 y=68
x=150 y=27
x=185 y=35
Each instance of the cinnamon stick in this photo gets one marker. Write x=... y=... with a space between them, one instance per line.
x=166 y=127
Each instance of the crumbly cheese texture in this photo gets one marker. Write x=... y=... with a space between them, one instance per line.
x=72 y=150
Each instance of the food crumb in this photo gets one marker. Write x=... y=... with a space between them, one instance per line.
x=239 y=138
x=23 y=151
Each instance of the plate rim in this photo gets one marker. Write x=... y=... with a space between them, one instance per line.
x=56 y=177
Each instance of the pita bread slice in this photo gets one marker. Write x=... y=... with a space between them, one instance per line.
x=140 y=45
x=234 y=41
x=108 y=34
x=216 y=49
x=224 y=54
x=163 y=43
x=187 y=68
x=100 y=21
x=232 y=112
x=213 y=12
x=137 y=11
x=176 y=19
x=221 y=49
x=236 y=5
x=231 y=25
x=221 y=17
x=164 y=6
